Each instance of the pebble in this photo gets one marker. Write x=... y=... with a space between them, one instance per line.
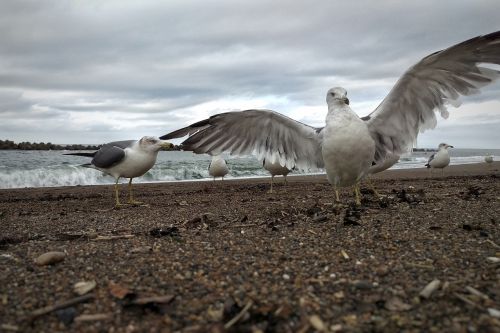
x=336 y=328
x=430 y=288
x=142 y=249
x=317 y=323
x=93 y=317
x=50 y=258
x=396 y=304
x=10 y=328
x=83 y=287
x=67 y=315
x=493 y=259
x=286 y=276
x=494 y=312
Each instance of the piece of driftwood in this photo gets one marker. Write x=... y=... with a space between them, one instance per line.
x=47 y=309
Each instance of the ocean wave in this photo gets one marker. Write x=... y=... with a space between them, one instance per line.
x=50 y=169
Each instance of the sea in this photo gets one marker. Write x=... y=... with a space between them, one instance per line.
x=24 y=168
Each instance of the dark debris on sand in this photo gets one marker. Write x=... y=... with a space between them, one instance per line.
x=229 y=257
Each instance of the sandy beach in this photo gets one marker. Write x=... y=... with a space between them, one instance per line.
x=231 y=257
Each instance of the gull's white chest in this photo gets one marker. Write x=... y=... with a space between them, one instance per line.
x=441 y=159
x=347 y=149
x=135 y=164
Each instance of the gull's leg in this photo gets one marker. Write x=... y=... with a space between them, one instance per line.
x=117 y=196
x=271 y=190
x=368 y=180
x=337 y=197
x=357 y=193
x=286 y=182
x=130 y=196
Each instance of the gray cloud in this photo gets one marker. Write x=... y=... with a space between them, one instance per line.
x=162 y=60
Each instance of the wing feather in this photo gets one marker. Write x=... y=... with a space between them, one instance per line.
x=264 y=133
x=437 y=80
x=111 y=153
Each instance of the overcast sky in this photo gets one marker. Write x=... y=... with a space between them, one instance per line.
x=98 y=71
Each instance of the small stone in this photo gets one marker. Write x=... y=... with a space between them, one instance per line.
x=67 y=315
x=317 y=323
x=430 y=288
x=494 y=312
x=10 y=328
x=494 y=260
x=83 y=287
x=50 y=258
x=396 y=304
x=93 y=317
x=344 y=254
x=382 y=270
x=286 y=276
x=336 y=328
x=142 y=249
x=215 y=314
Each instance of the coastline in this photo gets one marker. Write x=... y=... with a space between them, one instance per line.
x=411 y=173
x=288 y=258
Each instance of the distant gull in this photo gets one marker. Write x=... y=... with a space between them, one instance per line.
x=347 y=146
x=440 y=159
x=488 y=159
x=275 y=169
x=127 y=159
x=218 y=167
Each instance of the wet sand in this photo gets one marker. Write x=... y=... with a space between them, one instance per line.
x=231 y=257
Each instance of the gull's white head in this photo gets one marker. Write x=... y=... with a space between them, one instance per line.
x=444 y=146
x=153 y=144
x=337 y=94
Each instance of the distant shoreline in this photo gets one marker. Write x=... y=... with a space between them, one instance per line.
x=11 y=145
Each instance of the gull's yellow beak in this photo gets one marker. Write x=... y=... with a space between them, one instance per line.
x=166 y=144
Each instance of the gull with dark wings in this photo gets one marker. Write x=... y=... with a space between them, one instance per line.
x=127 y=159
x=347 y=146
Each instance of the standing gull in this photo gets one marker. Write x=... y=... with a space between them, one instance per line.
x=218 y=167
x=440 y=159
x=128 y=159
x=347 y=145
x=488 y=159
x=275 y=169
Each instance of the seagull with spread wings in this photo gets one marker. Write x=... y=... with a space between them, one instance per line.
x=347 y=146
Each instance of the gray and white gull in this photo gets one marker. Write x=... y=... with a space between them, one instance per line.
x=127 y=159
x=347 y=146
x=275 y=169
x=218 y=167
x=441 y=158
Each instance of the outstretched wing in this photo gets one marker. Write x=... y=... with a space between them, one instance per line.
x=264 y=133
x=435 y=81
x=111 y=153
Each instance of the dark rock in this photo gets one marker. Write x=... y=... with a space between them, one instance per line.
x=166 y=231
x=67 y=315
